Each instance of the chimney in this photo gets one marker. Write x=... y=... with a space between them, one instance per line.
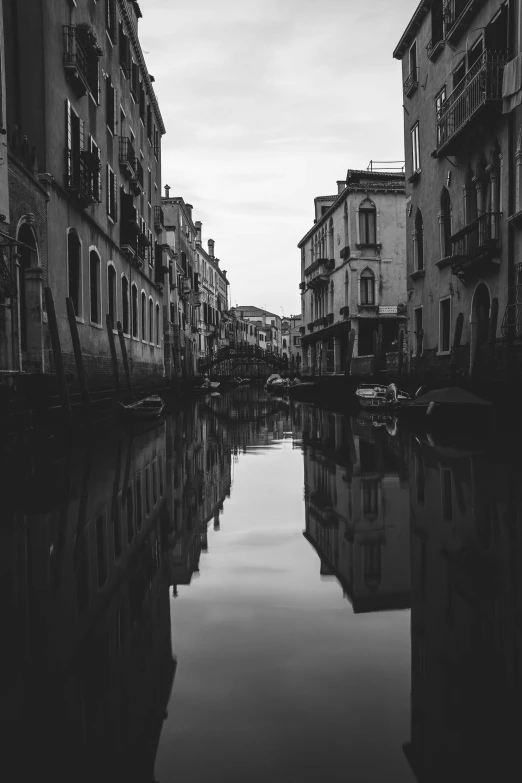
x=211 y=244
x=341 y=184
x=198 y=226
x=189 y=210
x=216 y=261
x=167 y=191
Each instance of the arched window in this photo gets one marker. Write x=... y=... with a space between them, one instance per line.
x=367 y=223
x=445 y=219
x=331 y=239
x=125 y=304
x=143 y=316
x=151 y=320
x=94 y=278
x=157 y=324
x=419 y=241
x=27 y=259
x=367 y=287
x=346 y=289
x=111 y=291
x=331 y=297
x=74 y=270
x=134 y=311
x=345 y=220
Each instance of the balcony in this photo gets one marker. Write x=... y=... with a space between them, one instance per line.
x=317 y=272
x=457 y=14
x=127 y=157
x=159 y=218
x=345 y=312
x=481 y=86
x=477 y=245
x=411 y=83
x=302 y=330
x=434 y=48
x=136 y=182
x=75 y=60
x=345 y=252
x=83 y=171
x=143 y=245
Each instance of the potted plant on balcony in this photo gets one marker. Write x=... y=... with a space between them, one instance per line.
x=87 y=37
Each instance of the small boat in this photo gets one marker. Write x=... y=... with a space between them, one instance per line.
x=375 y=395
x=451 y=407
x=206 y=388
x=276 y=385
x=245 y=380
x=147 y=409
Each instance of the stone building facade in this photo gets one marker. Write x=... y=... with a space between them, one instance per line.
x=353 y=271
x=269 y=326
x=291 y=340
x=462 y=159
x=86 y=127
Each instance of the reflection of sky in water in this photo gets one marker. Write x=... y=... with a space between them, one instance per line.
x=277 y=679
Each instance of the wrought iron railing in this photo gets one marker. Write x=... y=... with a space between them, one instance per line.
x=83 y=171
x=412 y=82
x=74 y=53
x=481 y=233
x=127 y=154
x=481 y=84
x=433 y=45
x=139 y=173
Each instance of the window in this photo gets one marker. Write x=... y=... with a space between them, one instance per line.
x=149 y=122
x=134 y=312
x=157 y=324
x=149 y=188
x=419 y=241
x=112 y=194
x=444 y=324
x=413 y=60
x=94 y=277
x=74 y=269
x=418 y=331
x=445 y=222
x=110 y=105
x=95 y=170
x=441 y=127
x=459 y=72
x=151 y=320
x=125 y=53
x=367 y=223
x=415 y=148
x=143 y=316
x=111 y=294
x=125 y=304
x=111 y=19
x=135 y=81
x=367 y=287
x=142 y=103
x=75 y=147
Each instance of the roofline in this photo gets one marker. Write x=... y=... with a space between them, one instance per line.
x=343 y=195
x=412 y=27
x=139 y=54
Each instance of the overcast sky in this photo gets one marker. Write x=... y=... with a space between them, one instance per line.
x=267 y=103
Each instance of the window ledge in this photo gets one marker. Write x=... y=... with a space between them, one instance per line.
x=443 y=262
x=96 y=325
x=111 y=220
x=79 y=319
x=443 y=353
x=418 y=274
x=371 y=246
x=414 y=177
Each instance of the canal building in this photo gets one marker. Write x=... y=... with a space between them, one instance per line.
x=85 y=134
x=463 y=150
x=466 y=635
x=269 y=326
x=214 y=289
x=291 y=341
x=353 y=271
x=356 y=501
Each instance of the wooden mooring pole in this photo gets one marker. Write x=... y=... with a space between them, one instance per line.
x=114 y=356
x=400 y=356
x=125 y=358
x=455 y=348
x=57 y=350
x=349 y=352
x=77 y=348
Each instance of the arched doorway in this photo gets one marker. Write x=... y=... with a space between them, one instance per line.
x=480 y=313
x=26 y=258
x=29 y=301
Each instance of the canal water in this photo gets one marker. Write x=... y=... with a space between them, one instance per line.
x=261 y=590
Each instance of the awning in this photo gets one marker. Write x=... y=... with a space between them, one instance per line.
x=512 y=85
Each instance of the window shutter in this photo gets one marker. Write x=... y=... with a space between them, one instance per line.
x=69 y=138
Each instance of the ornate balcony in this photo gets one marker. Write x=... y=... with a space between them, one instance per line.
x=75 y=60
x=411 y=83
x=127 y=157
x=317 y=272
x=480 y=87
x=82 y=178
x=434 y=48
x=136 y=182
x=477 y=245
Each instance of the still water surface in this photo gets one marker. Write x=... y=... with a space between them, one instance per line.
x=227 y=596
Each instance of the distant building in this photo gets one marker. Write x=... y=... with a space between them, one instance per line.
x=291 y=340
x=269 y=324
x=353 y=271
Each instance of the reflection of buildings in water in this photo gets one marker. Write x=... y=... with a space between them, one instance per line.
x=89 y=661
x=357 y=515
x=466 y=631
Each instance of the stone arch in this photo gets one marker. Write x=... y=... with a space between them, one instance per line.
x=480 y=312
x=367 y=222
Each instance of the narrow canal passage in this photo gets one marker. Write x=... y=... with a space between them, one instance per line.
x=257 y=590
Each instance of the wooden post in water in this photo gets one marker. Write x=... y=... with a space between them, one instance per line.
x=400 y=355
x=114 y=357
x=77 y=348
x=57 y=351
x=349 y=352
x=125 y=357
x=455 y=348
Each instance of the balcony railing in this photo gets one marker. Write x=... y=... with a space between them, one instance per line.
x=159 y=218
x=82 y=178
x=456 y=14
x=127 y=157
x=477 y=242
x=75 y=60
x=434 y=47
x=481 y=86
x=136 y=182
x=412 y=82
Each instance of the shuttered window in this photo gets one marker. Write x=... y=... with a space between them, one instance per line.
x=112 y=194
x=110 y=105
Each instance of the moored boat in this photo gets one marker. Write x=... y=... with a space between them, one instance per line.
x=375 y=395
x=448 y=408
x=147 y=409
